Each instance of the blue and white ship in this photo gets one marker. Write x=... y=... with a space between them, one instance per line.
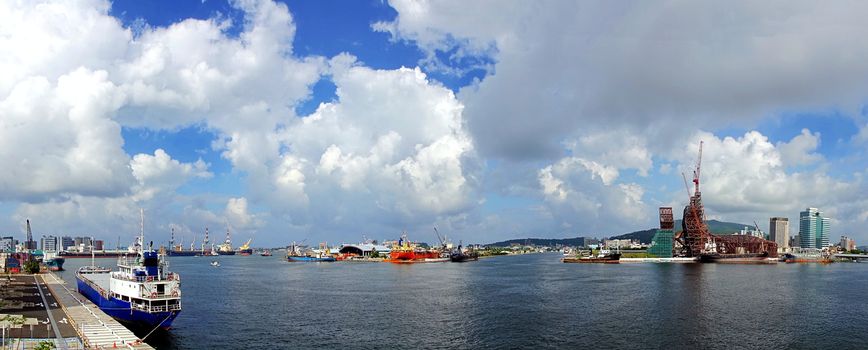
x=142 y=292
x=296 y=253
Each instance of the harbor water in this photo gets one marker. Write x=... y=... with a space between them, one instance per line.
x=528 y=301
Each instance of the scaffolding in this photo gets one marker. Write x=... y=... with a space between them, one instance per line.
x=661 y=244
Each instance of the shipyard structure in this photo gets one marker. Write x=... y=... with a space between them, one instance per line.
x=694 y=240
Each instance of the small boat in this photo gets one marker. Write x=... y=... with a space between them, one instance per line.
x=265 y=253
x=215 y=263
x=295 y=253
x=603 y=257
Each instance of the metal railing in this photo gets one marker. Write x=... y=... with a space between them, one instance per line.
x=160 y=308
x=123 y=276
x=152 y=295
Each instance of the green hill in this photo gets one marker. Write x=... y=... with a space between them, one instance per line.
x=716 y=227
x=540 y=242
x=644 y=236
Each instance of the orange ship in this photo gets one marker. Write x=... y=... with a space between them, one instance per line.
x=404 y=252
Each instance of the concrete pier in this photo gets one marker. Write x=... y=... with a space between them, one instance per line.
x=96 y=329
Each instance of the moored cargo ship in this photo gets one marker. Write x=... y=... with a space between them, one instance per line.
x=807 y=256
x=100 y=254
x=141 y=293
x=245 y=249
x=55 y=264
x=226 y=247
x=406 y=252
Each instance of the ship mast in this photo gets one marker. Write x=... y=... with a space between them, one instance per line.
x=205 y=241
x=172 y=241
x=142 y=233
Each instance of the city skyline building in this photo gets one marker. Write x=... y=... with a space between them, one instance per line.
x=8 y=243
x=779 y=232
x=847 y=243
x=813 y=229
x=66 y=242
x=83 y=243
x=49 y=243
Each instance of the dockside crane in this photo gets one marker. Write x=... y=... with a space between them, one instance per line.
x=442 y=240
x=758 y=231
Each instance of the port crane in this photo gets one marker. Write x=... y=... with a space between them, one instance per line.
x=758 y=231
x=443 y=240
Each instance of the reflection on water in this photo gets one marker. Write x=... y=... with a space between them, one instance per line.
x=513 y=301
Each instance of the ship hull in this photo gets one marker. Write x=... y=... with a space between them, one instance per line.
x=245 y=252
x=410 y=256
x=88 y=255
x=225 y=253
x=608 y=259
x=55 y=264
x=309 y=259
x=183 y=253
x=121 y=311
x=806 y=259
x=463 y=257
x=591 y=261
x=736 y=259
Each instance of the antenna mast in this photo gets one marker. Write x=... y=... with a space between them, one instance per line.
x=29 y=237
x=697 y=171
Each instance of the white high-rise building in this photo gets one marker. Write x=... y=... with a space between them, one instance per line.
x=779 y=232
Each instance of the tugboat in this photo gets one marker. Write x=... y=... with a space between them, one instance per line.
x=295 y=253
x=141 y=293
x=461 y=255
x=603 y=257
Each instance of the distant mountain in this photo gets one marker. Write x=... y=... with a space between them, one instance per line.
x=540 y=242
x=716 y=227
x=644 y=236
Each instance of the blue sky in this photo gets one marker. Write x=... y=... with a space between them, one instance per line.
x=393 y=116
